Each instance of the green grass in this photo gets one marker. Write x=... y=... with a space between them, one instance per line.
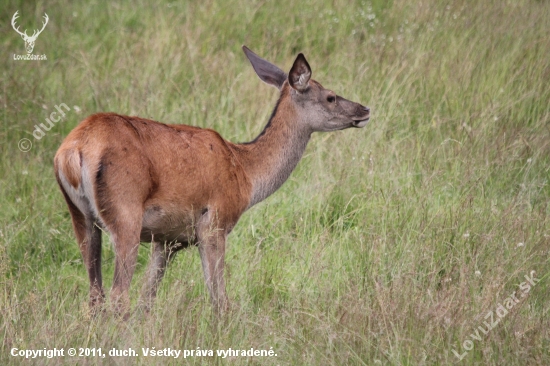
x=388 y=245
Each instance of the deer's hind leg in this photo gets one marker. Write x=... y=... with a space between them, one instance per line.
x=123 y=221
x=88 y=236
x=120 y=195
x=161 y=254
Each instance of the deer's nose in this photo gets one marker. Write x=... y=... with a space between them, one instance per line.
x=366 y=109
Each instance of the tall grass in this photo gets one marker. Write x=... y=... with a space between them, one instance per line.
x=388 y=245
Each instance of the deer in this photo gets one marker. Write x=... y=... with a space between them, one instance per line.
x=29 y=41
x=175 y=185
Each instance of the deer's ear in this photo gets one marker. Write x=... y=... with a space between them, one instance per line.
x=300 y=73
x=268 y=72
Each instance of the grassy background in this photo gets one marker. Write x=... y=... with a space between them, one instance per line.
x=388 y=245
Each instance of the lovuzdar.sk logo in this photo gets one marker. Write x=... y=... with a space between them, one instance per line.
x=29 y=40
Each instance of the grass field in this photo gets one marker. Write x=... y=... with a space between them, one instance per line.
x=389 y=245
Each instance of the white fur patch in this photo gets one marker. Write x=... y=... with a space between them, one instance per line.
x=83 y=197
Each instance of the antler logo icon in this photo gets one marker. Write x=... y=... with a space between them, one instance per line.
x=29 y=41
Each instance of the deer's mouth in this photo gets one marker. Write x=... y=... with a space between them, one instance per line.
x=360 y=122
x=362 y=118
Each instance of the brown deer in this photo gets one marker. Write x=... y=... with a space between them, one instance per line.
x=178 y=185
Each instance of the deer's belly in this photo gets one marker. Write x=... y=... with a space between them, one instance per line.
x=161 y=226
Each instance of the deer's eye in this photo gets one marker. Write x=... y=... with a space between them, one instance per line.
x=331 y=99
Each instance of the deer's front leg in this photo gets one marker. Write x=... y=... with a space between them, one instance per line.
x=211 y=242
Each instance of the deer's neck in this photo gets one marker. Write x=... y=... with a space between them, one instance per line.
x=270 y=158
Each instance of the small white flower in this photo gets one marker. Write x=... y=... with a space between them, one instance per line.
x=478 y=273
x=529 y=160
x=520 y=245
x=466 y=234
x=18 y=200
x=25 y=172
x=54 y=231
x=77 y=109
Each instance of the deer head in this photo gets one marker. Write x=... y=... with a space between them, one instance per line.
x=317 y=108
x=29 y=41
